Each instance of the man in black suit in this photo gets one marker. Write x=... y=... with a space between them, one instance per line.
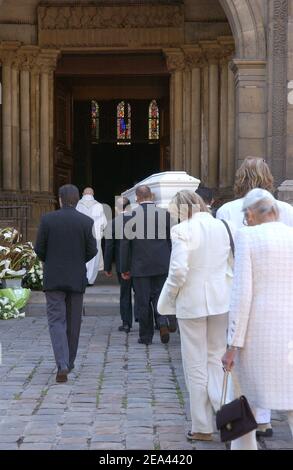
x=65 y=243
x=145 y=256
x=113 y=237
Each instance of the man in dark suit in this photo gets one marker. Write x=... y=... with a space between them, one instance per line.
x=113 y=237
x=145 y=255
x=65 y=243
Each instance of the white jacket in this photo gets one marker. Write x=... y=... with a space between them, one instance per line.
x=232 y=212
x=200 y=273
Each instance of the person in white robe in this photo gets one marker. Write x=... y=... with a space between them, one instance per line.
x=261 y=322
x=92 y=208
x=254 y=173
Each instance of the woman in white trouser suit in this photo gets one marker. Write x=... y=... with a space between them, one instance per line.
x=261 y=320
x=197 y=290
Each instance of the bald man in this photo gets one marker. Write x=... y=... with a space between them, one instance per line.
x=93 y=209
x=144 y=257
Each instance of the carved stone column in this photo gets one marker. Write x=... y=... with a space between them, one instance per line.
x=227 y=104
x=280 y=72
x=176 y=65
x=9 y=113
x=193 y=59
x=35 y=127
x=27 y=56
x=15 y=112
x=47 y=61
x=251 y=109
x=212 y=53
x=231 y=161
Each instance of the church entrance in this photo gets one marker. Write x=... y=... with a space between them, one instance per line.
x=111 y=131
x=116 y=143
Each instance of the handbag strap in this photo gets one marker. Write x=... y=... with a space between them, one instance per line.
x=232 y=245
x=236 y=384
x=224 y=389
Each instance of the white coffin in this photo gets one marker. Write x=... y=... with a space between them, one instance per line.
x=165 y=186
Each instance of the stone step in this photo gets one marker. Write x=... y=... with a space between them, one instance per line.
x=98 y=300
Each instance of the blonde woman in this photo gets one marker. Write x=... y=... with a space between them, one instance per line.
x=254 y=173
x=197 y=291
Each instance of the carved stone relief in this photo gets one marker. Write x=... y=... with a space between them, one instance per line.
x=100 y=25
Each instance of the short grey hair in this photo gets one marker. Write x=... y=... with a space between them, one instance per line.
x=260 y=201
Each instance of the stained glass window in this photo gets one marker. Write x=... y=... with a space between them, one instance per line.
x=123 y=123
x=154 y=121
x=95 y=120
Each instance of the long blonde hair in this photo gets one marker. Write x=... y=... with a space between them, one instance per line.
x=253 y=173
x=184 y=204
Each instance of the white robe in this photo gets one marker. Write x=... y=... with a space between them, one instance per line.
x=93 y=209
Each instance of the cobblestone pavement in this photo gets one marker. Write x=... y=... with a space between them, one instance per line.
x=121 y=395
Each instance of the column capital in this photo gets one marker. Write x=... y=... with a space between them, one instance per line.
x=175 y=59
x=8 y=52
x=193 y=56
x=211 y=51
x=28 y=56
x=227 y=46
x=47 y=60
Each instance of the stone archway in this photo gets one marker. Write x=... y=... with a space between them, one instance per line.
x=247 y=25
x=27 y=74
x=250 y=69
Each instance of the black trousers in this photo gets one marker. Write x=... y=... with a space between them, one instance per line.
x=147 y=291
x=125 y=300
x=64 y=311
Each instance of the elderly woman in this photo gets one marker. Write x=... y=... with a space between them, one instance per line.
x=197 y=290
x=254 y=173
x=261 y=320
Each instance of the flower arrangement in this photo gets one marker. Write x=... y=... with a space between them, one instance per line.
x=34 y=277
x=16 y=258
x=8 y=309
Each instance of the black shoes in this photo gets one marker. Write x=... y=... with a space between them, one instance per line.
x=61 y=376
x=125 y=328
x=147 y=343
x=164 y=334
x=264 y=430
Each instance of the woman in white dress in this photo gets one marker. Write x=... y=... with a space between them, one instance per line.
x=261 y=320
x=197 y=290
x=254 y=173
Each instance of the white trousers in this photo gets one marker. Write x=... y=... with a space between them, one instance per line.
x=248 y=442
x=203 y=343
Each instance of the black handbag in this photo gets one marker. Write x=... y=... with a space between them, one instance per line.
x=234 y=419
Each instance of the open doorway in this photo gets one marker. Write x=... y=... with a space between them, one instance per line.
x=88 y=149
x=116 y=144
